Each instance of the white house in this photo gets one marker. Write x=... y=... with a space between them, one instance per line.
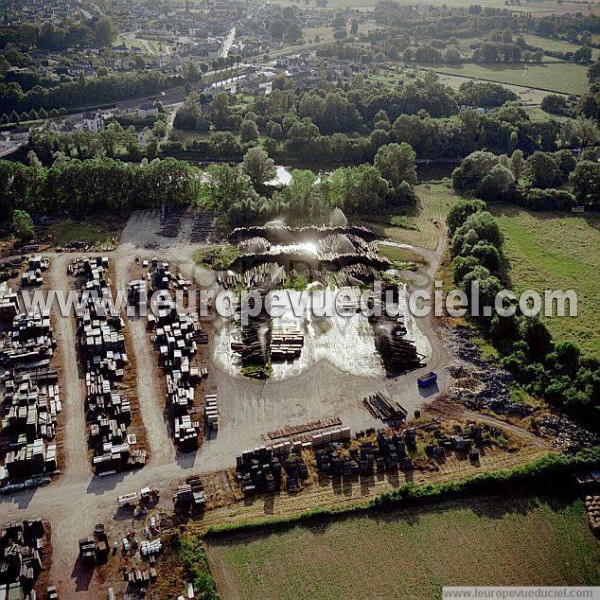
x=145 y=136
x=93 y=122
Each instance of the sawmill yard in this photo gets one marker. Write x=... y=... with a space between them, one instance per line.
x=359 y=171
x=248 y=410
x=318 y=409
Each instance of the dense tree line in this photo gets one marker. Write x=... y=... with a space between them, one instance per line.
x=545 y=368
x=349 y=126
x=85 y=186
x=85 y=91
x=589 y=103
x=102 y=184
x=240 y=196
x=96 y=32
x=533 y=182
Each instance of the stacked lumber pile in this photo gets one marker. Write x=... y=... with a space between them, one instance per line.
x=381 y=406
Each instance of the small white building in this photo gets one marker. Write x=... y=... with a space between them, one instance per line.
x=93 y=122
x=145 y=136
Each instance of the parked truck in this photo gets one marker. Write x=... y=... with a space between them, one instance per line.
x=128 y=500
x=146 y=496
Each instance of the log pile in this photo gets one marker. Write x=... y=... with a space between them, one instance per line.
x=202 y=227
x=290 y=430
x=398 y=353
x=592 y=505
x=24 y=549
x=176 y=338
x=383 y=407
x=31 y=400
x=286 y=343
x=102 y=343
x=170 y=220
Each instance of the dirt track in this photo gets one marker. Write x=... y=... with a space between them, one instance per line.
x=162 y=451
x=72 y=387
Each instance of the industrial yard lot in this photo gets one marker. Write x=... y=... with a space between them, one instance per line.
x=247 y=411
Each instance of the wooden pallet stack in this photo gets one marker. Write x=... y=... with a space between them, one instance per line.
x=211 y=412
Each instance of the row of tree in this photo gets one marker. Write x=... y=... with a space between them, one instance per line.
x=85 y=91
x=96 y=32
x=104 y=184
x=98 y=185
x=532 y=182
x=545 y=368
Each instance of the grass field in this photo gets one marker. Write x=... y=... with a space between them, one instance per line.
x=435 y=200
x=93 y=231
x=414 y=552
x=555 y=45
x=536 y=7
x=557 y=251
x=549 y=43
x=538 y=115
x=146 y=46
x=566 y=78
x=527 y=94
x=400 y=255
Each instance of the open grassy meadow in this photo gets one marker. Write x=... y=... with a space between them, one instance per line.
x=435 y=200
x=552 y=250
x=566 y=78
x=412 y=553
x=92 y=231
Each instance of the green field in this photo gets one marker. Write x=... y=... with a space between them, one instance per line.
x=554 y=250
x=435 y=200
x=93 y=231
x=549 y=43
x=536 y=7
x=412 y=553
x=566 y=78
x=400 y=255
x=538 y=115
x=555 y=45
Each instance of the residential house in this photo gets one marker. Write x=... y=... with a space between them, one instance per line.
x=147 y=109
x=93 y=122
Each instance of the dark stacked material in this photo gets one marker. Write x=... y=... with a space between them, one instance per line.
x=383 y=407
x=398 y=353
x=23 y=549
x=202 y=227
x=261 y=470
x=388 y=453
